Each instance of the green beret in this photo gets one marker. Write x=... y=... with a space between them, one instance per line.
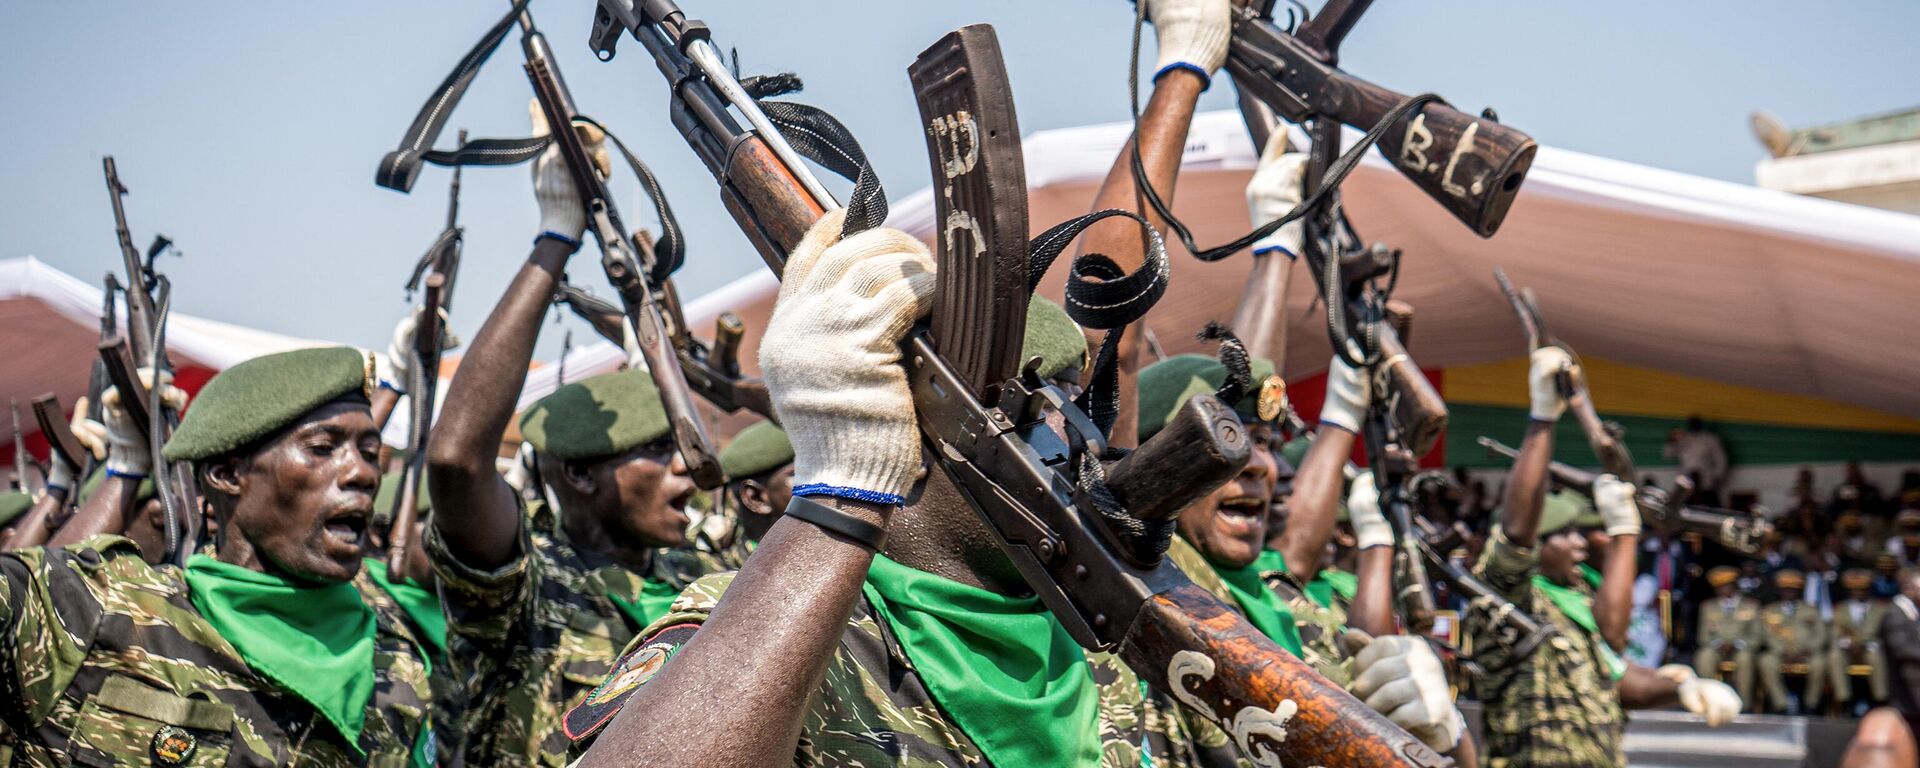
x=757 y=450
x=597 y=417
x=1559 y=513
x=1295 y=450
x=13 y=504
x=140 y=495
x=1168 y=384
x=252 y=400
x=383 y=500
x=1053 y=337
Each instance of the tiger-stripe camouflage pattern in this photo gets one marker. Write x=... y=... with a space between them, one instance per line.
x=1557 y=707
x=531 y=639
x=107 y=660
x=873 y=711
x=1320 y=627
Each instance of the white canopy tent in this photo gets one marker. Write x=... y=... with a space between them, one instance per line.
x=47 y=315
x=1652 y=268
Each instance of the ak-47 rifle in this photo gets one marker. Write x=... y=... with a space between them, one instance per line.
x=723 y=357
x=1665 y=508
x=434 y=276
x=62 y=446
x=1516 y=631
x=982 y=411
x=1602 y=436
x=148 y=295
x=1402 y=423
x=1473 y=166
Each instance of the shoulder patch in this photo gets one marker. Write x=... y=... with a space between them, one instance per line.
x=629 y=673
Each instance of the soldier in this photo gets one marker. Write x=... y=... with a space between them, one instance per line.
x=275 y=651
x=539 y=599
x=1729 y=631
x=1794 y=635
x=1856 y=639
x=1562 y=705
x=1220 y=540
x=759 y=468
x=869 y=649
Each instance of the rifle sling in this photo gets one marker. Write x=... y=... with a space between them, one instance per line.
x=401 y=167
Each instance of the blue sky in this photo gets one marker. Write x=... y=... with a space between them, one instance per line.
x=249 y=131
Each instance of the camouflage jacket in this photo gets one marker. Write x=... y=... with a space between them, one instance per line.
x=1320 y=626
x=872 y=710
x=1557 y=707
x=109 y=663
x=531 y=638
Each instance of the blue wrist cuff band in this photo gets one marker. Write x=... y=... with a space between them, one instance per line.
x=1280 y=249
x=384 y=384
x=841 y=492
x=550 y=234
x=1206 y=80
x=127 y=475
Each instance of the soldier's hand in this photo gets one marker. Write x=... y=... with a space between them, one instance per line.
x=128 y=452
x=1542 y=385
x=1400 y=677
x=90 y=433
x=1273 y=192
x=1349 y=393
x=1714 y=700
x=831 y=358
x=1613 y=497
x=395 y=370
x=1370 y=528
x=1193 y=34
x=561 y=211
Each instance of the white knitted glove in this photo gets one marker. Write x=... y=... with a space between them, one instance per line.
x=1349 y=392
x=560 y=209
x=1714 y=700
x=1548 y=403
x=395 y=370
x=831 y=359
x=128 y=452
x=1398 y=676
x=1614 y=498
x=90 y=433
x=630 y=344
x=1274 y=191
x=1370 y=527
x=1193 y=34
x=60 y=476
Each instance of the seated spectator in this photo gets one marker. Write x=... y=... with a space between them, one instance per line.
x=1886 y=576
x=1905 y=545
x=1855 y=493
x=1856 y=640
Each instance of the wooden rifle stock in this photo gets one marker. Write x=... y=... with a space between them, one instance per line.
x=1204 y=438
x=1472 y=166
x=123 y=376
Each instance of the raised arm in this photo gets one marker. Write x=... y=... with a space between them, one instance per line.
x=1613 y=607
x=1527 y=482
x=475 y=512
x=831 y=359
x=1193 y=36
x=129 y=461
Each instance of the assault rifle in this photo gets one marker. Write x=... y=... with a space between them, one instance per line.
x=982 y=411
x=1471 y=166
x=1602 y=436
x=62 y=445
x=148 y=294
x=1666 y=508
x=434 y=275
x=726 y=387
x=1517 y=632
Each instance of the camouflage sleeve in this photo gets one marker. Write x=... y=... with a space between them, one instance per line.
x=483 y=606
x=51 y=625
x=1508 y=569
x=642 y=659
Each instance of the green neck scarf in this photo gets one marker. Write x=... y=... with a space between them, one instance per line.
x=420 y=604
x=1261 y=606
x=315 y=641
x=1591 y=574
x=1002 y=667
x=655 y=598
x=1330 y=582
x=1578 y=607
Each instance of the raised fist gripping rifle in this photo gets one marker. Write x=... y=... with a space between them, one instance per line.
x=148 y=296
x=640 y=277
x=1080 y=531
x=1665 y=508
x=433 y=276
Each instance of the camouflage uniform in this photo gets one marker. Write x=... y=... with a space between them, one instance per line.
x=1557 y=707
x=721 y=559
x=1320 y=626
x=109 y=661
x=530 y=639
x=872 y=710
